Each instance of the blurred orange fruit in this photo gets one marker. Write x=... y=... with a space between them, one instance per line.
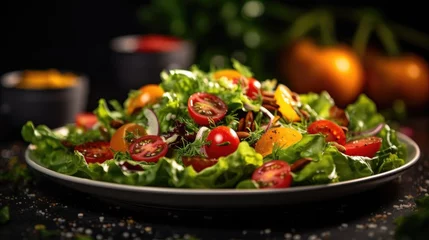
x=403 y=77
x=308 y=67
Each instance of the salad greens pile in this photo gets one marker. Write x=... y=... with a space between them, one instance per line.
x=184 y=154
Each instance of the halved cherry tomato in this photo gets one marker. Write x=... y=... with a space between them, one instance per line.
x=199 y=163
x=126 y=134
x=149 y=148
x=149 y=94
x=251 y=86
x=273 y=174
x=86 y=120
x=332 y=131
x=205 y=108
x=95 y=152
x=222 y=140
x=283 y=137
x=158 y=43
x=367 y=147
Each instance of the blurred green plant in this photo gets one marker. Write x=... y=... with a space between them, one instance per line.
x=253 y=31
x=249 y=31
x=256 y=32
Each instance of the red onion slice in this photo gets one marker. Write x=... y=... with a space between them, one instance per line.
x=152 y=121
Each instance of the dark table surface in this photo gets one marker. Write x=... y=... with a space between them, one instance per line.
x=64 y=213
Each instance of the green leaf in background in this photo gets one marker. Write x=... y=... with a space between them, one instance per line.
x=414 y=225
x=245 y=71
x=4 y=214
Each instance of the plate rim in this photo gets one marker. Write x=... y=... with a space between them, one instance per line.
x=225 y=191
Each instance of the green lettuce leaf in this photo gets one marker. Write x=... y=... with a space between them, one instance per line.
x=318 y=103
x=320 y=171
x=310 y=146
x=167 y=172
x=363 y=114
x=227 y=173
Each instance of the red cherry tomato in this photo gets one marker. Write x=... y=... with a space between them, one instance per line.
x=149 y=148
x=252 y=86
x=95 y=152
x=222 y=140
x=367 y=147
x=205 y=108
x=273 y=174
x=158 y=43
x=86 y=120
x=199 y=163
x=332 y=131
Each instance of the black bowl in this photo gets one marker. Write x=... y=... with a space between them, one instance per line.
x=52 y=107
x=137 y=68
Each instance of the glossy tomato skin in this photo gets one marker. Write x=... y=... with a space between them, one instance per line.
x=366 y=147
x=332 y=131
x=95 y=152
x=273 y=174
x=205 y=108
x=120 y=140
x=222 y=141
x=199 y=163
x=149 y=148
x=86 y=120
x=253 y=88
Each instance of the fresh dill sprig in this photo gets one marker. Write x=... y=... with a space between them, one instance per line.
x=190 y=149
x=254 y=136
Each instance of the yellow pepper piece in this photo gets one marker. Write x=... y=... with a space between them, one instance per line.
x=283 y=96
x=228 y=73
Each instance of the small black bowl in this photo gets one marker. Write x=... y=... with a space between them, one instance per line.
x=136 y=67
x=54 y=107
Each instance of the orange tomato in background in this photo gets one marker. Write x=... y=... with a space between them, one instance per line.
x=403 y=77
x=149 y=94
x=308 y=67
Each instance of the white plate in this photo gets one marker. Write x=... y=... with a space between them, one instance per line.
x=226 y=198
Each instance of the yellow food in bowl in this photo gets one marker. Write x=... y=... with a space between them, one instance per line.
x=46 y=79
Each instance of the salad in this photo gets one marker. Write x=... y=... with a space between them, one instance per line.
x=220 y=129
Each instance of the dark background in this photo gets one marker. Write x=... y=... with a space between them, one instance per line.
x=75 y=34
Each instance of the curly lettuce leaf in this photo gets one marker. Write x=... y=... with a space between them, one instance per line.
x=179 y=85
x=227 y=173
x=49 y=150
x=310 y=146
x=363 y=114
x=167 y=172
x=320 y=171
x=318 y=103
